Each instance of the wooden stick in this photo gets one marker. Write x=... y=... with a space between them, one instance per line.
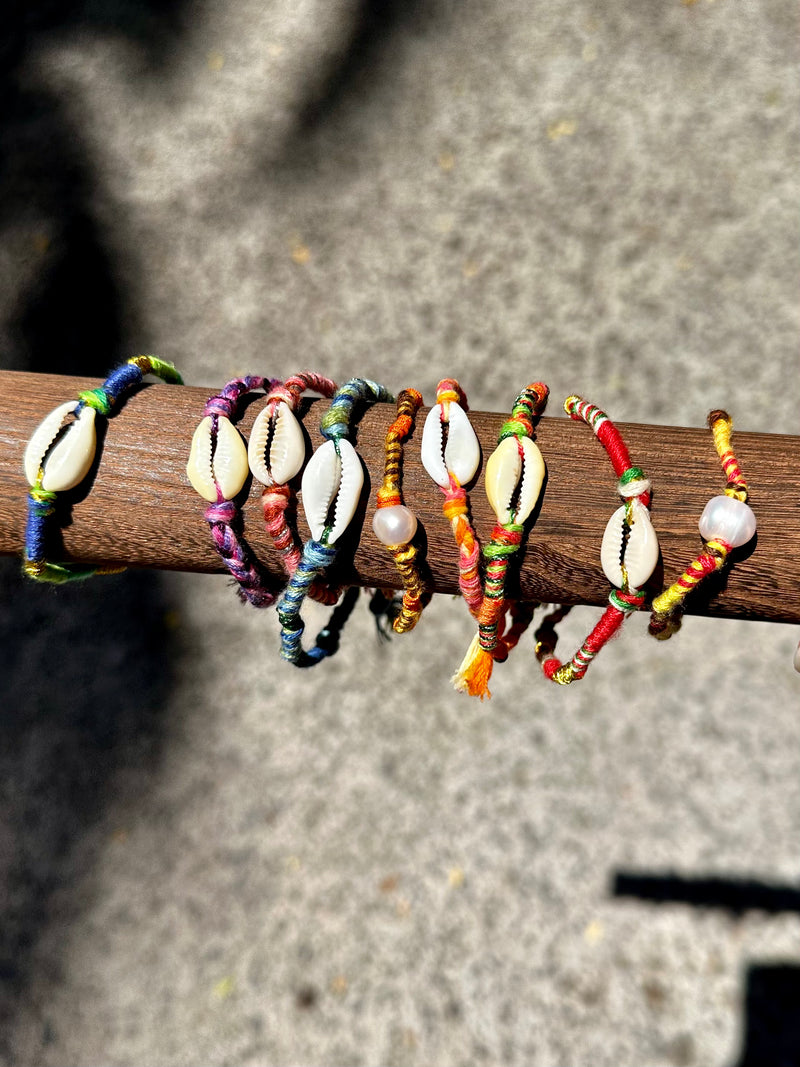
x=140 y=510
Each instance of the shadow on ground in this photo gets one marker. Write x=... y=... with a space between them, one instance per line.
x=70 y=314
x=771 y=1031
x=85 y=680
x=85 y=669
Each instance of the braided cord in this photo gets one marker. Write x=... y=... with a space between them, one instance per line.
x=224 y=516
x=507 y=536
x=406 y=555
x=632 y=485
x=721 y=425
x=318 y=556
x=667 y=607
x=277 y=500
x=42 y=504
x=476 y=669
x=456 y=511
x=621 y=605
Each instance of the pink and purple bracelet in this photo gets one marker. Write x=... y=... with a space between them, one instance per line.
x=218 y=470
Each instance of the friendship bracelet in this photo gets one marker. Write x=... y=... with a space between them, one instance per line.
x=331 y=487
x=218 y=470
x=514 y=477
x=61 y=453
x=276 y=452
x=394 y=524
x=628 y=553
x=451 y=454
x=727 y=522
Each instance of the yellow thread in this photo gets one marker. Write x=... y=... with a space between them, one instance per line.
x=405 y=555
x=564 y=675
x=666 y=607
x=721 y=425
x=667 y=601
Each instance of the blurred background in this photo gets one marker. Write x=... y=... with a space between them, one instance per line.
x=209 y=857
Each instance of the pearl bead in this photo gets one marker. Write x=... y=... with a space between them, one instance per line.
x=797 y=659
x=727 y=519
x=395 y=525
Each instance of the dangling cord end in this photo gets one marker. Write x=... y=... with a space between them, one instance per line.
x=473 y=675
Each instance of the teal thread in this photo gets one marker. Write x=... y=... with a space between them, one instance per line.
x=318 y=556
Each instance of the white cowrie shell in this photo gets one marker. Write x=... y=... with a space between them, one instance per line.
x=331 y=479
x=514 y=458
x=71 y=459
x=277 y=448
x=223 y=464
x=462 y=453
x=640 y=551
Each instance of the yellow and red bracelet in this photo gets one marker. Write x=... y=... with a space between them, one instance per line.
x=628 y=554
x=394 y=524
x=727 y=522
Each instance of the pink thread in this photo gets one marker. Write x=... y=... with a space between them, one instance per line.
x=469 y=577
x=276 y=500
x=223 y=517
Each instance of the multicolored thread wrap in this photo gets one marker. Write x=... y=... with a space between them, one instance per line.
x=456 y=511
x=623 y=601
x=489 y=644
x=406 y=554
x=318 y=555
x=667 y=607
x=224 y=516
x=42 y=503
x=277 y=500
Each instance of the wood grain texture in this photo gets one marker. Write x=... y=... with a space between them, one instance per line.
x=137 y=507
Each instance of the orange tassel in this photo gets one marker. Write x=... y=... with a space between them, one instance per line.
x=475 y=671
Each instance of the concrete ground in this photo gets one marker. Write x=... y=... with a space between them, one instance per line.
x=207 y=857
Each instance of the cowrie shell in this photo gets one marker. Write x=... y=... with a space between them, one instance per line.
x=331 y=479
x=639 y=553
x=459 y=456
x=222 y=464
x=514 y=458
x=71 y=459
x=277 y=448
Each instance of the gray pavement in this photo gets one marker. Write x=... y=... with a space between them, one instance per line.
x=207 y=857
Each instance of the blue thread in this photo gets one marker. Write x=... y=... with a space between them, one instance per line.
x=336 y=420
x=122 y=378
x=317 y=555
x=42 y=505
x=36 y=527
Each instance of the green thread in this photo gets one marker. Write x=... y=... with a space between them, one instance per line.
x=43 y=496
x=97 y=399
x=632 y=474
x=499 y=549
x=624 y=605
x=153 y=365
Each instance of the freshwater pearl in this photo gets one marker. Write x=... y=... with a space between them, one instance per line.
x=395 y=525
x=797 y=658
x=727 y=519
